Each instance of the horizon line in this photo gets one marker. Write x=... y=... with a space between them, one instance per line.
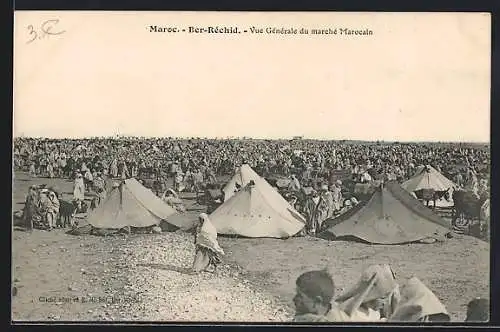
x=296 y=137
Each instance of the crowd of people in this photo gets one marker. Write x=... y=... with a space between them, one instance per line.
x=306 y=159
x=312 y=166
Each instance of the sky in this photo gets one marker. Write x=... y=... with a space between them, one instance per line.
x=419 y=77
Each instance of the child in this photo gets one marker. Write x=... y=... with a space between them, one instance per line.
x=313 y=301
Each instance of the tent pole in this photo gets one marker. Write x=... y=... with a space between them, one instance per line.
x=382 y=200
x=121 y=192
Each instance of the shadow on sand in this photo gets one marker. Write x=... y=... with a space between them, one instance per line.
x=189 y=198
x=169 y=267
x=201 y=208
x=20 y=229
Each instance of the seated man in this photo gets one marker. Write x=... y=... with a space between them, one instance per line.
x=313 y=301
x=419 y=304
x=48 y=208
x=374 y=297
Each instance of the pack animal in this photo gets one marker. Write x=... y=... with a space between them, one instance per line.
x=431 y=195
x=67 y=211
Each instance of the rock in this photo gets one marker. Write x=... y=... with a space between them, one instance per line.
x=34 y=250
x=90 y=311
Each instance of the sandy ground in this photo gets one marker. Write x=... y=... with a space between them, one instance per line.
x=144 y=277
x=456 y=271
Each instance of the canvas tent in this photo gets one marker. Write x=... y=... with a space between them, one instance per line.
x=242 y=177
x=390 y=216
x=132 y=204
x=257 y=210
x=427 y=177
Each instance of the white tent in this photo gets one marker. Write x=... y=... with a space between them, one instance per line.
x=427 y=177
x=132 y=204
x=243 y=176
x=257 y=210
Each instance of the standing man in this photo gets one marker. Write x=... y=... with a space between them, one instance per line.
x=30 y=207
x=79 y=188
x=100 y=187
x=337 y=196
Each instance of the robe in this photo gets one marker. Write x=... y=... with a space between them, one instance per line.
x=208 y=251
x=335 y=314
x=79 y=189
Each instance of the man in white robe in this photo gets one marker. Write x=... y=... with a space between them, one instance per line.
x=374 y=297
x=79 y=188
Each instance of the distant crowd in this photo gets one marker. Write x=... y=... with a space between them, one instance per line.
x=377 y=297
x=304 y=158
x=196 y=163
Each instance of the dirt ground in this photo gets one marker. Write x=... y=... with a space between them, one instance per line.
x=144 y=277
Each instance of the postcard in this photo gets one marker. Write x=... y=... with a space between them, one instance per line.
x=251 y=167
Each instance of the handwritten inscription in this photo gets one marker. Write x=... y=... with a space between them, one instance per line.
x=44 y=30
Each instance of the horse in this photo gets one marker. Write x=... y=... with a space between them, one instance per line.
x=431 y=195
